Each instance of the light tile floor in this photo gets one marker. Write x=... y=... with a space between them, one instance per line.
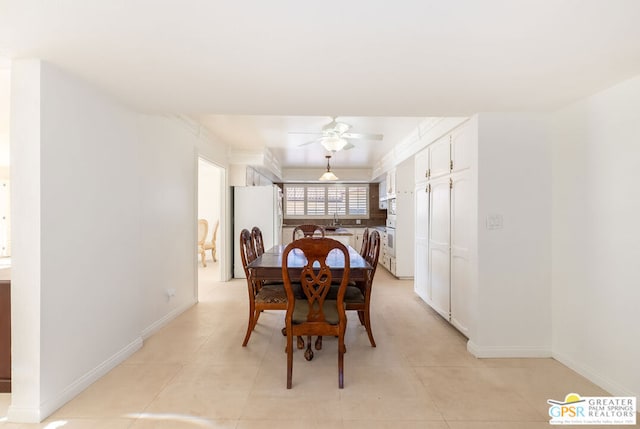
x=195 y=374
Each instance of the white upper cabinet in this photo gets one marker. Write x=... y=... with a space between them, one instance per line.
x=461 y=140
x=440 y=157
x=391 y=183
x=421 y=161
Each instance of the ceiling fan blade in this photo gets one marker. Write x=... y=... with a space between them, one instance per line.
x=348 y=146
x=362 y=136
x=307 y=143
x=304 y=132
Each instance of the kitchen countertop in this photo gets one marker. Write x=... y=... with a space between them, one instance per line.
x=338 y=231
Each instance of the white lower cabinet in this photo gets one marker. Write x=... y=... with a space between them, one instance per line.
x=439 y=243
x=461 y=193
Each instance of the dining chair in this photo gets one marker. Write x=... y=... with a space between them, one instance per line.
x=261 y=297
x=357 y=296
x=203 y=229
x=311 y=313
x=365 y=242
x=258 y=241
x=308 y=230
x=212 y=246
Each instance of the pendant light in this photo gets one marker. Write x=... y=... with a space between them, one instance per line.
x=328 y=175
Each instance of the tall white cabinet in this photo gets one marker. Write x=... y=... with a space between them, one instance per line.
x=443 y=200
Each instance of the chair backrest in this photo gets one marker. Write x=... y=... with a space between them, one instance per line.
x=315 y=279
x=308 y=230
x=373 y=251
x=203 y=229
x=258 y=242
x=247 y=252
x=215 y=232
x=365 y=242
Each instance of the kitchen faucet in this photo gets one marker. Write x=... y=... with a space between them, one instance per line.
x=335 y=218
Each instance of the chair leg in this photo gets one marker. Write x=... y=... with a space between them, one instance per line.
x=361 y=317
x=300 y=343
x=367 y=325
x=213 y=254
x=289 y=358
x=308 y=354
x=255 y=320
x=203 y=257
x=319 y=343
x=251 y=323
x=341 y=350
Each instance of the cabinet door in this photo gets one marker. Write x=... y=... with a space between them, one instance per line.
x=421 y=265
x=391 y=182
x=421 y=166
x=461 y=221
x=440 y=157
x=461 y=144
x=439 y=243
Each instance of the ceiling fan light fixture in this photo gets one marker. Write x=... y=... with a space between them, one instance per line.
x=334 y=144
x=328 y=175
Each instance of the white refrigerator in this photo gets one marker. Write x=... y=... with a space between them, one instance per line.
x=259 y=206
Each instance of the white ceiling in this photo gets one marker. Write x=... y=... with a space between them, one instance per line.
x=354 y=59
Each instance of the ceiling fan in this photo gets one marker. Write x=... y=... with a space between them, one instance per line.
x=335 y=136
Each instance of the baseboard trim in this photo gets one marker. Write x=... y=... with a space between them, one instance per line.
x=594 y=376
x=508 y=351
x=158 y=324
x=36 y=415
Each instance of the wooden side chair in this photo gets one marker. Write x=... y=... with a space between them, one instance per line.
x=307 y=230
x=203 y=246
x=357 y=296
x=214 y=238
x=203 y=229
x=365 y=242
x=258 y=241
x=315 y=314
x=261 y=297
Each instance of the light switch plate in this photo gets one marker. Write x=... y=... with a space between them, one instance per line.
x=494 y=221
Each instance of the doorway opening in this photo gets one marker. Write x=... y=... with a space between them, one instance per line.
x=211 y=225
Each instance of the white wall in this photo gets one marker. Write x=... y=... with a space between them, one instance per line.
x=104 y=209
x=513 y=305
x=168 y=212
x=26 y=249
x=596 y=237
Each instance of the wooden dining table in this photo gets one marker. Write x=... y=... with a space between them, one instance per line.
x=268 y=266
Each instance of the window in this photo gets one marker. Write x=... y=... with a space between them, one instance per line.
x=294 y=198
x=358 y=197
x=324 y=201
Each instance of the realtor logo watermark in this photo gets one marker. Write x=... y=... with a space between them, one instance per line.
x=593 y=410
